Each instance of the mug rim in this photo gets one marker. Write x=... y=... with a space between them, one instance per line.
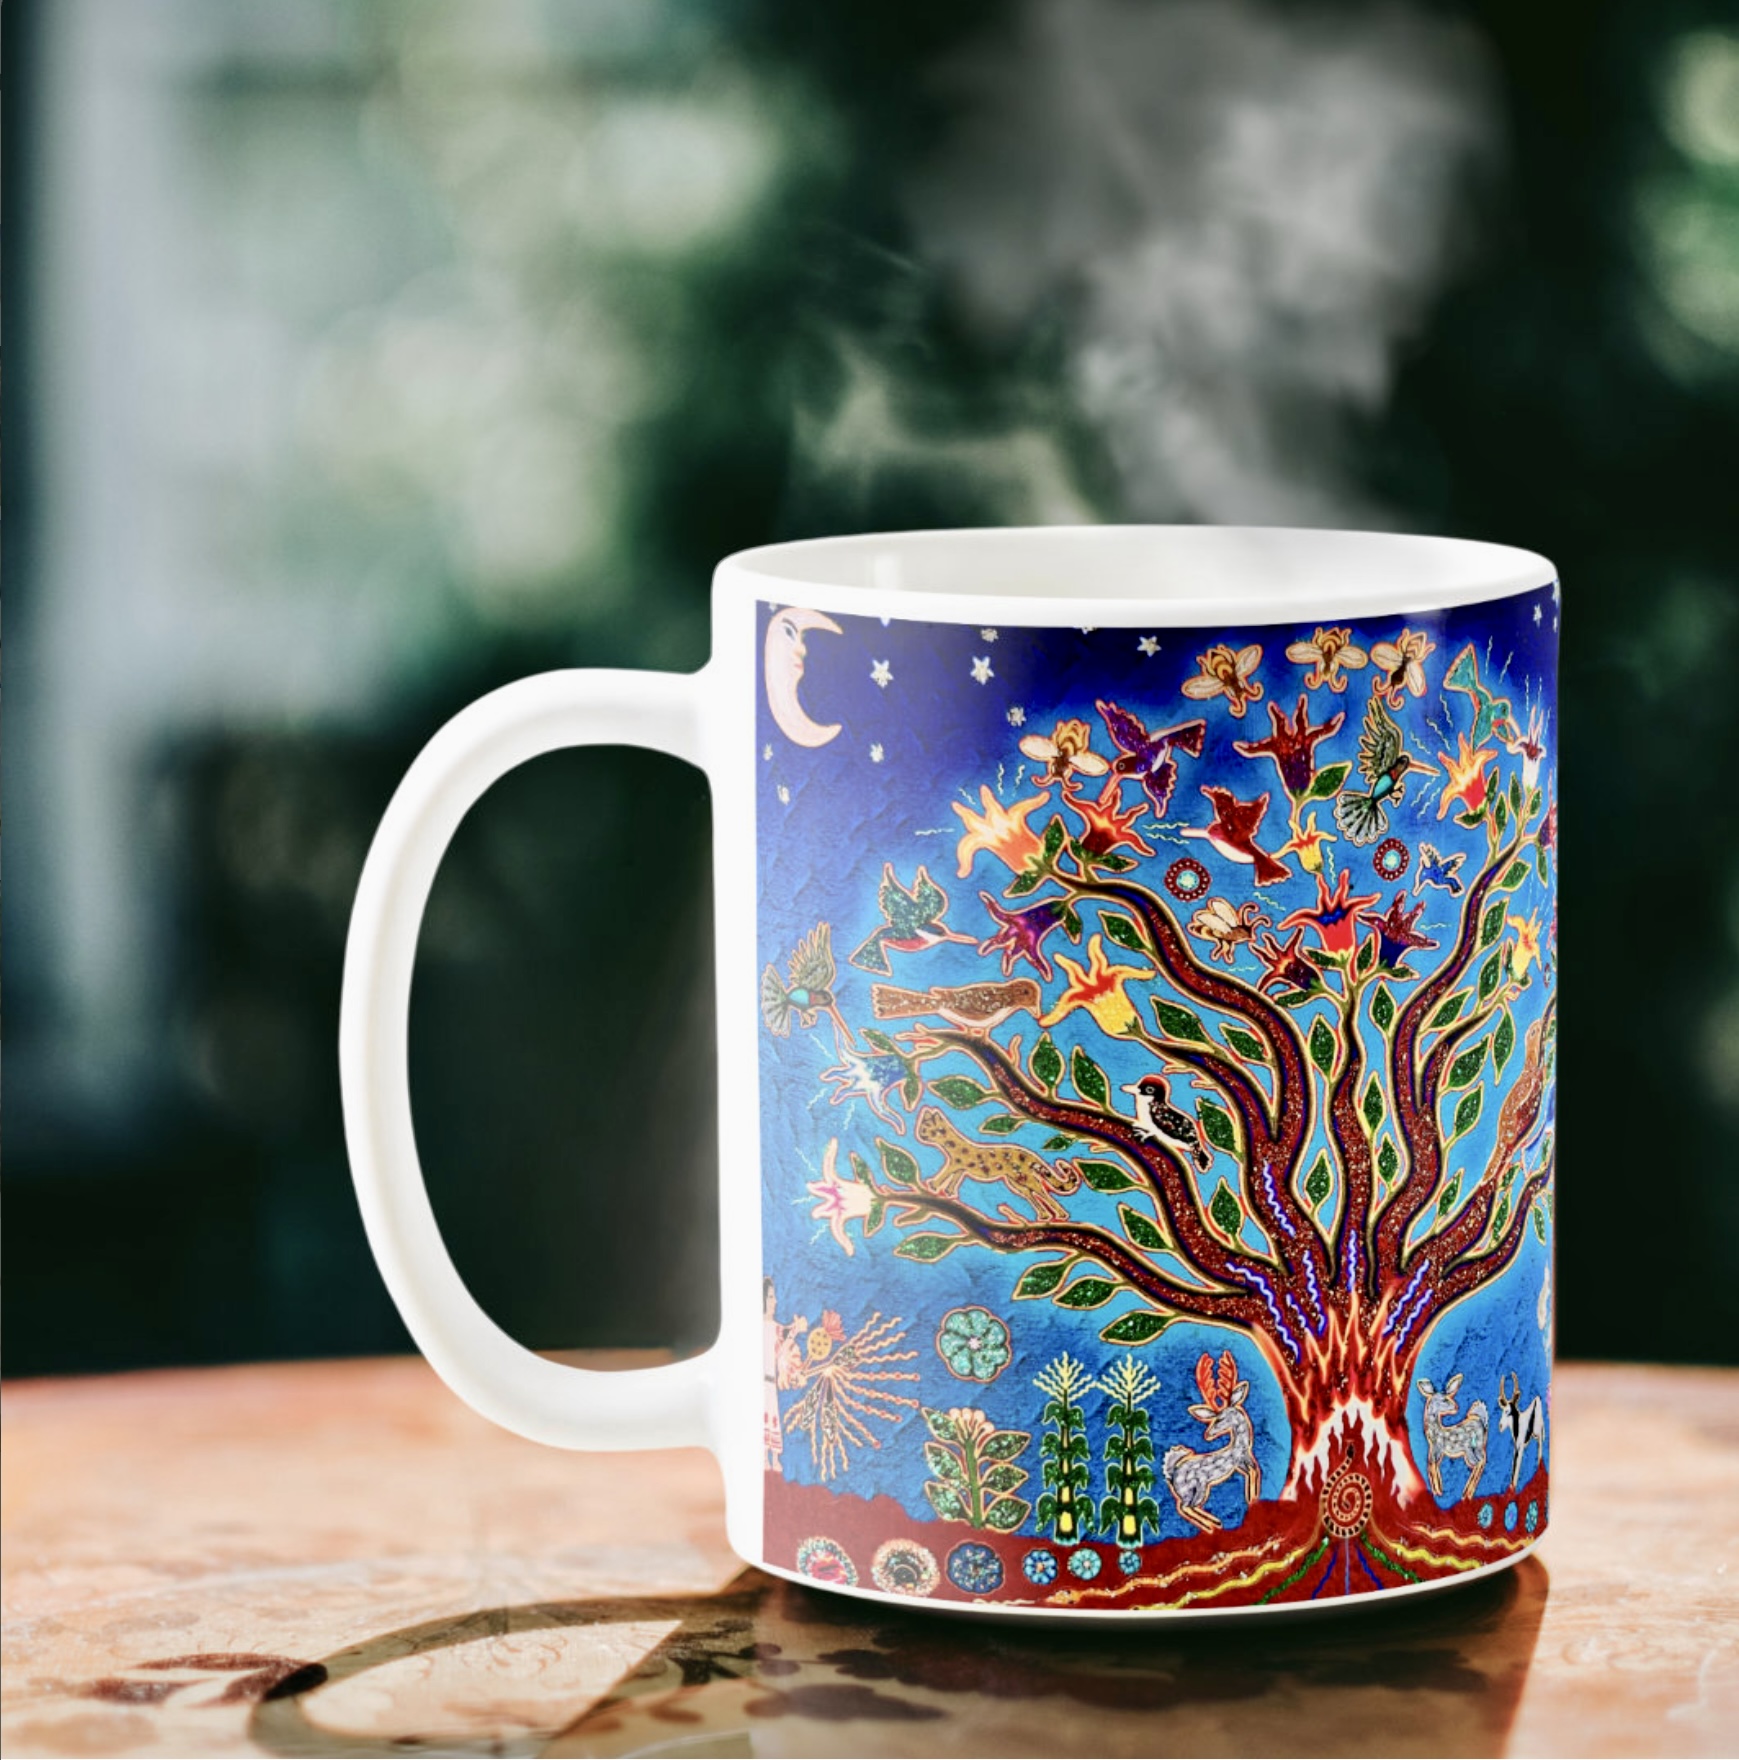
x=1130 y=574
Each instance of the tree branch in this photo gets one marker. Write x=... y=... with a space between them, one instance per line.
x=1346 y=1126
x=1467 y=1275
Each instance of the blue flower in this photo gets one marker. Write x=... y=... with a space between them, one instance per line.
x=1533 y=1517
x=1129 y=1561
x=975 y=1568
x=1084 y=1563
x=1485 y=1515
x=1510 y=1517
x=1040 y=1566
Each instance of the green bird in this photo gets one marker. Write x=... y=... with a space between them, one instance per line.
x=806 y=991
x=1385 y=764
x=914 y=921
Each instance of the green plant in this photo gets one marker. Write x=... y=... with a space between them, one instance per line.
x=976 y=1477
x=1128 y=1509
x=1064 y=1506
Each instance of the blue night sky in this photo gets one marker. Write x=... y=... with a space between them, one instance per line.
x=829 y=817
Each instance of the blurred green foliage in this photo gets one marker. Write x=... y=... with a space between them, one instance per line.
x=369 y=355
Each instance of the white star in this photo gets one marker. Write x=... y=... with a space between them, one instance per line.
x=1149 y=645
x=981 y=669
x=988 y=634
x=767 y=753
x=881 y=673
x=1017 y=716
x=784 y=795
x=1088 y=628
x=1539 y=612
x=876 y=753
x=886 y=621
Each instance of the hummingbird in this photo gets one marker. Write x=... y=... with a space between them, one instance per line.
x=1440 y=870
x=1492 y=715
x=1385 y=764
x=806 y=991
x=913 y=921
x=974 y=1008
x=1148 y=756
x=1158 y=1121
x=1233 y=833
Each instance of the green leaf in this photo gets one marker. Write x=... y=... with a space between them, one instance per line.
x=1247 y=1045
x=860 y=1170
x=1502 y=1217
x=1137 y=1328
x=1543 y=864
x=1004 y=1478
x=1116 y=863
x=1227 y=1212
x=947 y=1503
x=1047 y=1064
x=1388 y=1161
x=1217 y=1126
x=1089 y=1079
x=1503 y=1042
x=942 y=1427
x=1321 y=1045
x=1071 y=922
x=1040 y=1280
x=1500 y=814
x=1374 y=1107
x=1122 y=930
x=927 y=1248
x=1140 y=1229
x=1367 y=956
x=897 y=1164
x=958 y=1092
x=1105 y=1176
x=1449 y=1009
x=1292 y=998
x=1028 y=880
x=1514 y=874
x=1000 y=1124
x=1179 y=1022
x=1538 y=1217
x=1383 y=1008
x=877 y=1212
x=1490 y=975
x=1327 y=781
x=1007 y=1514
x=1319 y=1182
x=1451 y=1192
x=1534 y=800
x=1515 y=794
x=1087 y=1292
x=944 y=1463
x=1005 y=1444
x=1054 y=1143
x=1056 y=834
x=1467 y=1111
x=1467 y=1065
x=1491 y=925
x=880 y=1041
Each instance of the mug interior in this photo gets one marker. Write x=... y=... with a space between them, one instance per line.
x=1166 y=574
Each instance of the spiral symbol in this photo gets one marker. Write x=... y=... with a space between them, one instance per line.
x=1346 y=1503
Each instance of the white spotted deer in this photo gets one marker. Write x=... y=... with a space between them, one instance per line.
x=1453 y=1442
x=1521 y=1424
x=1191 y=1476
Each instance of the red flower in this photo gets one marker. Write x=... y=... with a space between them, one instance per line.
x=1335 y=916
x=1292 y=745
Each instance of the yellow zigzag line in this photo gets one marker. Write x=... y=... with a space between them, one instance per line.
x=1072 y=1597
x=1491 y=1540
x=1454 y=1564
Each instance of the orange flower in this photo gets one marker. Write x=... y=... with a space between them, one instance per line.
x=1098 y=988
x=1308 y=845
x=1001 y=830
x=1467 y=778
x=1527 y=948
x=1227 y=674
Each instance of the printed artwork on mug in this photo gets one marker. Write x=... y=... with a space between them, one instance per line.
x=1156 y=1081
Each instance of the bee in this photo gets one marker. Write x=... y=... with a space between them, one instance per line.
x=1065 y=752
x=1400 y=667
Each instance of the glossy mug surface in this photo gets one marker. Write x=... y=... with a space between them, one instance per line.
x=1137 y=987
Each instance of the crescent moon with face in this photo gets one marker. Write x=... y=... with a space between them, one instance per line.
x=784 y=655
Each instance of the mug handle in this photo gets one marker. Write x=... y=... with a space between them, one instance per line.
x=666 y=1407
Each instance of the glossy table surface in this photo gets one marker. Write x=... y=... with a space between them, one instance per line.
x=339 y=1558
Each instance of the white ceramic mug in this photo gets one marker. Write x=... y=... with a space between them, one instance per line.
x=1137 y=1007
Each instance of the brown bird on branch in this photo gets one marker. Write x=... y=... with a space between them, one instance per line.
x=973 y=1008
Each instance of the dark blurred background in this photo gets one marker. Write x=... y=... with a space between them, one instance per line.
x=363 y=356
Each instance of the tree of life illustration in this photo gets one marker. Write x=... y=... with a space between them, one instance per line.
x=1283 y=1171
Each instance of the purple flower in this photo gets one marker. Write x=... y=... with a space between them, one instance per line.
x=1019 y=933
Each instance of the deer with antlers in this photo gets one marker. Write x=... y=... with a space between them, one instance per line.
x=1521 y=1424
x=1190 y=1475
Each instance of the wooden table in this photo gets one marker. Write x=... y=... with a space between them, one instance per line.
x=339 y=1558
